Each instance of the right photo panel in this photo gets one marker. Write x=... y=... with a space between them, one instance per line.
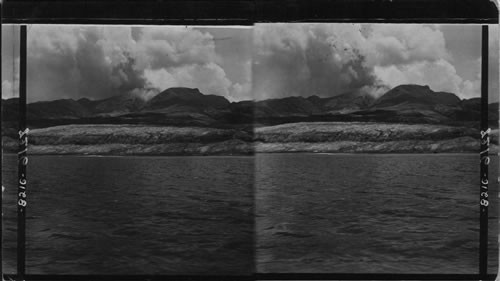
x=367 y=147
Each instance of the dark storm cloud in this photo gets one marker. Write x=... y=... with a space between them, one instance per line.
x=309 y=59
x=74 y=62
x=332 y=59
x=101 y=61
x=288 y=59
x=98 y=76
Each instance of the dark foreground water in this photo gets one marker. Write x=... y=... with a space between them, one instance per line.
x=135 y=215
x=371 y=213
x=195 y=215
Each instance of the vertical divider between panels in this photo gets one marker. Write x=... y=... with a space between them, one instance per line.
x=22 y=161
x=1 y=154
x=484 y=158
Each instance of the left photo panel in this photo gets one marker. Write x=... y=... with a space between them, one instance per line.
x=140 y=150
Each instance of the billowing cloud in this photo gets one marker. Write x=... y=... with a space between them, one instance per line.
x=98 y=62
x=439 y=75
x=417 y=54
x=309 y=59
x=159 y=47
x=288 y=60
x=391 y=44
x=241 y=91
x=209 y=78
x=74 y=62
x=332 y=59
x=10 y=87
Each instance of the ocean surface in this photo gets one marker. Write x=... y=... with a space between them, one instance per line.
x=364 y=213
x=134 y=215
x=371 y=213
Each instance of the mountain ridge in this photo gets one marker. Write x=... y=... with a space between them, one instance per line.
x=407 y=103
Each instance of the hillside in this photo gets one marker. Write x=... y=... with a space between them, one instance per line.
x=361 y=137
x=184 y=121
x=296 y=137
x=138 y=140
x=189 y=107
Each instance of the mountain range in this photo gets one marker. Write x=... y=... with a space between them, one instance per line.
x=185 y=107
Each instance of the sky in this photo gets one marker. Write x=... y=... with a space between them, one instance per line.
x=243 y=63
x=332 y=59
x=97 y=62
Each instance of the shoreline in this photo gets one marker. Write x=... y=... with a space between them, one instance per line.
x=312 y=137
x=97 y=151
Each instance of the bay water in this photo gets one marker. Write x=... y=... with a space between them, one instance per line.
x=329 y=213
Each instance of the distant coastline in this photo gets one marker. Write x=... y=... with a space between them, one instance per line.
x=184 y=121
x=310 y=137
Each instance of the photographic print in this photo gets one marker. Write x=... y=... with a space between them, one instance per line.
x=139 y=162
x=367 y=142
x=231 y=150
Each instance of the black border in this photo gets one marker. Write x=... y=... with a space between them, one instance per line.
x=21 y=167
x=1 y=154
x=483 y=156
x=248 y=12
x=258 y=276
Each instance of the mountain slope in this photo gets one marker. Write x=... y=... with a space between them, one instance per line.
x=116 y=105
x=405 y=95
x=186 y=97
x=65 y=109
x=349 y=102
x=290 y=106
x=189 y=107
